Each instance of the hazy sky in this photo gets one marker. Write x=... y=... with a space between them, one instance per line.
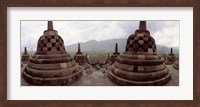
x=164 y=32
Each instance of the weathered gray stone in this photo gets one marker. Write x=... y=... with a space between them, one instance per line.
x=176 y=65
x=115 y=54
x=25 y=56
x=79 y=57
x=51 y=64
x=170 y=59
x=140 y=64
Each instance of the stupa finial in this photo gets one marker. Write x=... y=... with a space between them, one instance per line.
x=50 y=25
x=25 y=51
x=171 y=51
x=142 y=25
x=79 y=48
x=116 y=48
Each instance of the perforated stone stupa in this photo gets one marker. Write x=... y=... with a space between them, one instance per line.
x=108 y=59
x=140 y=63
x=51 y=64
x=79 y=57
x=170 y=58
x=115 y=54
x=25 y=56
x=87 y=60
x=176 y=64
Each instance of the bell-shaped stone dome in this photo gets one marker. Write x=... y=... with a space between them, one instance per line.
x=140 y=64
x=141 y=42
x=51 y=64
x=50 y=42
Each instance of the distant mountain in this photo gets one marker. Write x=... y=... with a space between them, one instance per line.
x=109 y=46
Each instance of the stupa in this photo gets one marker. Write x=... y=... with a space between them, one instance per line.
x=79 y=57
x=87 y=60
x=115 y=54
x=176 y=64
x=25 y=56
x=140 y=63
x=170 y=59
x=51 y=64
x=108 y=60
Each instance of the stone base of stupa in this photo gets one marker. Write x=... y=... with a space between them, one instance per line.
x=169 y=63
x=113 y=57
x=25 y=58
x=176 y=65
x=80 y=59
x=24 y=62
x=139 y=71
x=170 y=60
x=52 y=70
x=126 y=82
x=55 y=81
x=51 y=77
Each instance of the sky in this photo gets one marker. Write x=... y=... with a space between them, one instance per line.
x=164 y=32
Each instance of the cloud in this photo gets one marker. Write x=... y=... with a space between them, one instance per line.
x=167 y=34
x=164 y=32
